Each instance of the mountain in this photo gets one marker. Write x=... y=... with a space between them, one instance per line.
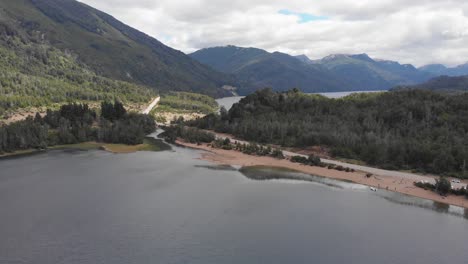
x=108 y=47
x=439 y=69
x=363 y=72
x=442 y=83
x=259 y=68
x=304 y=59
x=333 y=73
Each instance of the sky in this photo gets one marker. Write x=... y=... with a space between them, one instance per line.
x=409 y=31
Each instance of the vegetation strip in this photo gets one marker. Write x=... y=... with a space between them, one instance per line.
x=421 y=131
x=77 y=123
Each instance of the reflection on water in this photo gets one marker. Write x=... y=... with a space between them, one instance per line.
x=262 y=173
x=217 y=167
x=423 y=203
x=441 y=207
x=158 y=143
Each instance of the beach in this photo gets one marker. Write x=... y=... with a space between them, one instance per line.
x=391 y=183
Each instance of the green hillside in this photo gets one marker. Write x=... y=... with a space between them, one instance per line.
x=66 y=48
x=33 y=74
x=184 y=102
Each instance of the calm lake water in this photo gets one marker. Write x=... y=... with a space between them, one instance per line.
x=169 y=207
x=227 y=102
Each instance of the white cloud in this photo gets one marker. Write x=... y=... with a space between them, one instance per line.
x=418 y=31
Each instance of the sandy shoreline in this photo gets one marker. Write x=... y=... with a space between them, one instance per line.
x=394 y=184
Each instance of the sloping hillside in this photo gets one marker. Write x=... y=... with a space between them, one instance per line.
x=108 y=47
x=35 y=74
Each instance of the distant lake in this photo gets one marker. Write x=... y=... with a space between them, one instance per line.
x=170 y=207
x=227 y=102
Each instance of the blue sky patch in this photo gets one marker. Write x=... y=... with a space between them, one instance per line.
x=303 y=17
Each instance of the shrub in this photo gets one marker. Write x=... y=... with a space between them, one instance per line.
x=443 y=186
x=190 y=134
x=314 y=160
x=299 y=159
x=277 y=153
x=425 y=185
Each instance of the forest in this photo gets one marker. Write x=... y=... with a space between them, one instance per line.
x=34 y=74
x=416 y=130
x=76 y=123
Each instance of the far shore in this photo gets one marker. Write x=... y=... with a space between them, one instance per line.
x=390 y=183
x=91 y=145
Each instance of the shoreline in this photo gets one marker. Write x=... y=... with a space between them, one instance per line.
x=383 y=182
x=356 y=164
x=148 y=145
x=21 y=153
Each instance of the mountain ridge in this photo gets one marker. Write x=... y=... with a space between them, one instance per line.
x=259 y=68
x=442 y=84
x=336 y=72
x=441 y=69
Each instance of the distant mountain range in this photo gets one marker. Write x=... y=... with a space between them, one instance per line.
x=362 y=71
x=108 y=47
x=442 y=83
x=338 y=72
x=259 y=69
x=280 y=71
x=439 y=69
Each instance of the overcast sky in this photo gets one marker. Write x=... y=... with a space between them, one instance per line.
x=409 y=31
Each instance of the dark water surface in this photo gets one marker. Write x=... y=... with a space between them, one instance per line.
x=169 y=207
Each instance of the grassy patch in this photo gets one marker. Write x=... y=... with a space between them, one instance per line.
x=79 y=146
x=183 y=102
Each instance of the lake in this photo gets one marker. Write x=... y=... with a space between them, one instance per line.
x=227 y=102
x=170 y=207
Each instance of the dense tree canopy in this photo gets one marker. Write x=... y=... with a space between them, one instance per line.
x=75 y=123
x=111 y=111
x=411 y=129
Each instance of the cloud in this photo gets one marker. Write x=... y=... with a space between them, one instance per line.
x=417 y=32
